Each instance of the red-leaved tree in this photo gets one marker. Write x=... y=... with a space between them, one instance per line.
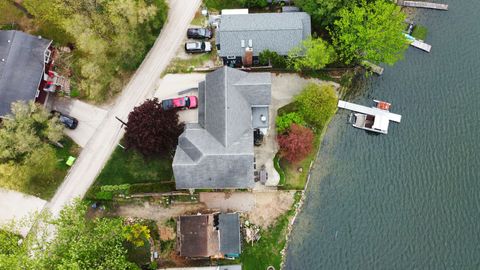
x=151 y=130
x=296 y=144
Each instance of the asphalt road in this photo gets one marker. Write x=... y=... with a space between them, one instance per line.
x=142 y=85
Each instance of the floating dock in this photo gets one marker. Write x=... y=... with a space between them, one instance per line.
x=421 y=45
x=429 y=5
x=373 y=67
x=418 y=43
x=369 y=111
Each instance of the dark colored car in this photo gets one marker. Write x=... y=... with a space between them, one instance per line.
x=198 y=47
x=199 y=33
x=189 y=102
x=67 y=120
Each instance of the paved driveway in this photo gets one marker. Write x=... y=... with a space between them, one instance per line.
x=174 y=85
x=16 y=206
x=89 y=118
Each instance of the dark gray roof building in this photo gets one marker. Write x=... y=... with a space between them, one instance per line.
x=279 y=32
x=22 y=64
x=229 y=226
x=217 y=152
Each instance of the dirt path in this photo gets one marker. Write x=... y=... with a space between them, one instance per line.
x=262 y=208
x=142 y=85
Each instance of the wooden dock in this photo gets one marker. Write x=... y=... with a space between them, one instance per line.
x=369 y=110
x=421 y=45
x=372 y=67
x=419 y=4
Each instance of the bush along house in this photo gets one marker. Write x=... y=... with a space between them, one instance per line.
x=240 y=38
x=26 y=69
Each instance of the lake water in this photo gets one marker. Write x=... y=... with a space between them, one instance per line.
x=409 y=199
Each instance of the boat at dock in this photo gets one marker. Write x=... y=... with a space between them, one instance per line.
x=374 y=119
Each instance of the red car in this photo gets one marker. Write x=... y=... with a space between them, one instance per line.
x=189 y=102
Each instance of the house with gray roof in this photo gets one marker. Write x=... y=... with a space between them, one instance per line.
x=23 y=61
x=241 y=35
x=217 y=152
x=209 y=236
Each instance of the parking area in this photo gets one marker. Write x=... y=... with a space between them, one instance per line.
x=89 y=118
x=175 y=85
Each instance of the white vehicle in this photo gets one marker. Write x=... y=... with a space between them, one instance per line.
x=198 y=47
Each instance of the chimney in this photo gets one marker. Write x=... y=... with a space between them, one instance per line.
x=248 y=58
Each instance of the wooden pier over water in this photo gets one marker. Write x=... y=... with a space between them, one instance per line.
x=420 y=4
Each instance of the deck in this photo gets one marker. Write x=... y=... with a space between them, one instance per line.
x=369 y=110
x=429 y=5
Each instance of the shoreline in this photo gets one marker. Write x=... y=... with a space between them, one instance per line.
x=299 y=205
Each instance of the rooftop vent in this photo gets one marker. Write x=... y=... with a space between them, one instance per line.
x=250 y=44
x=243 y=43
x=263 y=118
x=9 y=41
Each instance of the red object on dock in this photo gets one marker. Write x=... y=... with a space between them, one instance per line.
x=383 y=105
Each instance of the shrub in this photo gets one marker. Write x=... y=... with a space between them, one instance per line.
x=104 y=195
x=283 y=122
x=277 y=61
x=296 y=144
x=316 y=104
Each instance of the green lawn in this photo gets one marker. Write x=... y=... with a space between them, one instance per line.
x=47 y=190
x=130 y=167
x=179 y=65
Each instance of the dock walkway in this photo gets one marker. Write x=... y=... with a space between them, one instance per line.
x=419 y=4
x=369 y=110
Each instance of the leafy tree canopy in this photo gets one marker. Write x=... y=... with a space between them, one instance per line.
x=313 y=54
x=296 y=144
x=323 y=12
x=26 y=152
x=152 y=130
x=79 y=243
x=370 y=31
x=283 y=122
x=317 y=103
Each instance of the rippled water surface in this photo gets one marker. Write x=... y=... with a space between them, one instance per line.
x=409 y=199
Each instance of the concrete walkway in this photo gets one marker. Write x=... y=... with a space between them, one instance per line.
x=18 y=206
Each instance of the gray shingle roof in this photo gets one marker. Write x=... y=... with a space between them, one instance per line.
x=279 y=32
x=21 y=67
x=218 y=151
x=229 y=226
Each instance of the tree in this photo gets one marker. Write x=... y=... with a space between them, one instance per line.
x=323 y=12
x=283 y=122
x=296 y=144
x=137 y=234
x=370 y=32
x=152 y=130
x=110 y=37
x=79 y=243
x=313 y=54
x=26 y=153
x=317 y=103
x=254 y=3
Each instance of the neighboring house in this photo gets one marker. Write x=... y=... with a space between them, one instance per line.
x=241 y=38
x=217 y=152
x=26 y=73
x=209 y=236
